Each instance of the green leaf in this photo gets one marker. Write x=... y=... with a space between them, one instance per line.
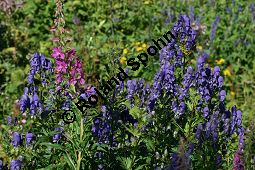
x=69 y=161
x=126 y=163
x=56 y=146
x=135 y=112
x=150 y=145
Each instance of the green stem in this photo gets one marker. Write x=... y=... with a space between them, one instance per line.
x=81 y=139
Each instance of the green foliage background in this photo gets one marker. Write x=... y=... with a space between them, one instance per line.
x=107 y=27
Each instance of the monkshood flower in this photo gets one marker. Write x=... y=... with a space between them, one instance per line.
x=15 y=121
x=214 y=26
x=131 y=89
x=66 y=105
x=38 y=63
x=174 y=81
x=30 y=98
x=56 y=138
x=29 y=137
x=88 y=91
x=9 y=120
x=174 y=163
x=101 y=127
x=16 y=139
x=252 y=9
x=2 y=166
x=24 y=101
x=15 y=165
x=218 y=159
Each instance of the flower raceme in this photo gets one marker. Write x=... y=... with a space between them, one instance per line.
x=68 y=67
x=30 y=98
x=178 y=84
x=182 y=30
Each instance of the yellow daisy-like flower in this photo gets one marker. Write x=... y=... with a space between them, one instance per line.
x=123 y=60
x=220 y=61
x=232 y=93
x=125 y=51
x=199 y=47
x=227 y=72
x=139 y=49
x=144 y=45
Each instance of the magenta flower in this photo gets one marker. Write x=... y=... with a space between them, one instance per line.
x=71 y=54
x=57 y=53
x=61 y=66
x=238 y=163
x=59 y=78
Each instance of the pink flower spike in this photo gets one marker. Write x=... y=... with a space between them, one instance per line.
x=57 y=53
x=73 y=81
x=61 y=66
x=71 y=53
x=58 y=78
x=82 y=81
x=238 y=163
x=73 y=73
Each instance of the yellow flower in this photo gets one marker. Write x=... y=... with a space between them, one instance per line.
x=199 y=47
x=125 y=51
x=226 y=72
x=123 y=60
x=137 y=43
x=139 y=49
x=144 y=45
x=146 y=2
x=220 y=61
x=232 y=93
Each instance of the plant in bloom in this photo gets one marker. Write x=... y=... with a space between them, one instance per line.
x=238 y=163
x=30 y=98
x=179 y=93
x=68 y=65
x=15 y=165
x=16 y=139
x=179 y=120
x=57 y=136
x=220 y=61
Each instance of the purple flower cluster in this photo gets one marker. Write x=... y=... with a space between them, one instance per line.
x=17 y=139
x=178 y=162
x=205 y=81
x=29 y=137
x=209 y=85
x=202 y=86
x=11 y=121
x=15 y=165
x=39 y=64
x=56 y=138
x=30 y=98
x=214 y=26
x=102 y=128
